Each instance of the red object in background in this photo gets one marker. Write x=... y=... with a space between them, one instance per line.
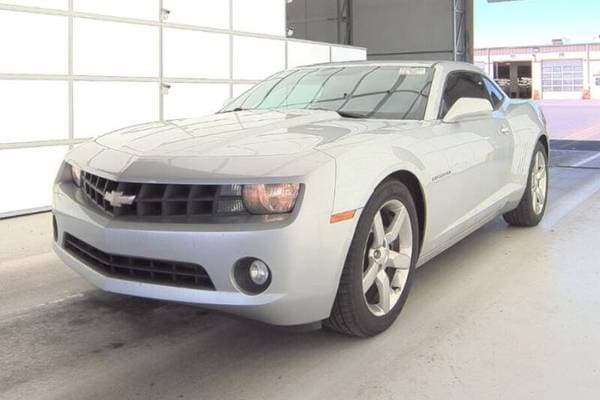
x=587 y=94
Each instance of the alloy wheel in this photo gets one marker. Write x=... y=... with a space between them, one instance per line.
x=539 y=183
x=388 y=257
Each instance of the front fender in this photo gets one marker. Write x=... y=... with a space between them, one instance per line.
x=360 y=171
x=528 y=128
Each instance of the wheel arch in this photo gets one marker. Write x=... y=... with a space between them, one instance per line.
x=545 y=142
x=341 y=318
x=416 y=189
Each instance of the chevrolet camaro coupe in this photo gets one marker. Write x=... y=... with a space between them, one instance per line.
x=311 y=198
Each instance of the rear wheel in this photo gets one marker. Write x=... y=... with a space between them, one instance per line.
x=379 y=267
x=532 y=207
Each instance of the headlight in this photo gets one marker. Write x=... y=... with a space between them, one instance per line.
x=76 y=175
x=270 y=198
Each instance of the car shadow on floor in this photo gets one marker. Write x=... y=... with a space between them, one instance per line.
x=100 y=326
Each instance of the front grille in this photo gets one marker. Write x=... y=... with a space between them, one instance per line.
x=164 y=200
x=170 y=273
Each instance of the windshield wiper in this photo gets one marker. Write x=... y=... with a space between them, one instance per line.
x=343 y=114
x=346 y=114
x=235 y=110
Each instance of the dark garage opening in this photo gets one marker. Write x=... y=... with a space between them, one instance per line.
x=514 y=78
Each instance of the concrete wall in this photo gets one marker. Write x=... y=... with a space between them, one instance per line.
x=314 y=20
x=403 y=29
x=389 y=29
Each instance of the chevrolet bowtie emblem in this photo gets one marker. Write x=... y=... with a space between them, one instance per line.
x=118 y=199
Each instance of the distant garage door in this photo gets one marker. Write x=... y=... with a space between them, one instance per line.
x=562 y=79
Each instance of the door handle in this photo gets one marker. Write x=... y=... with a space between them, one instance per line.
x=505 y=130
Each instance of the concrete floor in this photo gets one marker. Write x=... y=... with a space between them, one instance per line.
x=572 y=119
x=506 y=314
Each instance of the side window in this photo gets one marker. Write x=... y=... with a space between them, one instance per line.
x=462 y=84
x=496 y=95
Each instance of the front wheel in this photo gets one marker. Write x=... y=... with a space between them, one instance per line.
x=379 y=267
x=532 y=207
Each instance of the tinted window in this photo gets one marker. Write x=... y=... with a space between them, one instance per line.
x=462 y=84
x=496 y=95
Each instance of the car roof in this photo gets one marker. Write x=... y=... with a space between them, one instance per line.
x=447 y=65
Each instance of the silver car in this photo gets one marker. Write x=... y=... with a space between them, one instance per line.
x=310 y=198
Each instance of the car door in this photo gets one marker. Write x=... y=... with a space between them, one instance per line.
x=504 y=142
x=477 y=151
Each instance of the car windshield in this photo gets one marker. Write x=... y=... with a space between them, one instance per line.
x=382 y=92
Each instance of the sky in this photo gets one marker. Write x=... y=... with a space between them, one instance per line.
x=535 y=22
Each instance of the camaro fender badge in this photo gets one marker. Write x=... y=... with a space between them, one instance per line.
x=440 y=176
x=118 y=199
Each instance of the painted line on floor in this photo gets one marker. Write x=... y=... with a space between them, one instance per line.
x=569 y=202
x=585 y=133
x=58 y=301
x=21 y=313
x=586 y=160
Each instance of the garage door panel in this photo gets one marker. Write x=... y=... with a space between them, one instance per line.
x=55 y=4
x=187 y=100
x=114 y=48
x=195 y=54
x=562 y=78
x=260 y=16
x=37 y=167
x=238 y=90
x=207 y=13
x=101 y=107
x=142 y=9
x=33 y=111
x=43 y=50
x=257 y=58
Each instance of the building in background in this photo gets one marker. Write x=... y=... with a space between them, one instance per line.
x=552 y=72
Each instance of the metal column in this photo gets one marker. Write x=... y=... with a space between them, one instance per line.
x=460 y=31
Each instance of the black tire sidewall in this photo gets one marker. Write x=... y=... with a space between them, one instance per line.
x=388 y=190
x=536 y=218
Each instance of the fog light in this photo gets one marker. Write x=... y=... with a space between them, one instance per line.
x=252 y=276
x=259 y=272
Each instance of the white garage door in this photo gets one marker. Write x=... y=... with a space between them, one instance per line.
x=74 y=69
x=562 y=76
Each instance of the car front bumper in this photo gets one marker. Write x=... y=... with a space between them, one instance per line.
x=305 y=255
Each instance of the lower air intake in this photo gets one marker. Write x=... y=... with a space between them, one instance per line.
x=169 y=273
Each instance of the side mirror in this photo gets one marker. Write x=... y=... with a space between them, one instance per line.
x=468 y=107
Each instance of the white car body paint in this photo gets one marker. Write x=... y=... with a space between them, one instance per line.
x=470 y=171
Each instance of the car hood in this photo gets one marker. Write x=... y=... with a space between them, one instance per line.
x=228 y=145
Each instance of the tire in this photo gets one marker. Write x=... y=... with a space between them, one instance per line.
x=355 y=312
x=530 y=210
